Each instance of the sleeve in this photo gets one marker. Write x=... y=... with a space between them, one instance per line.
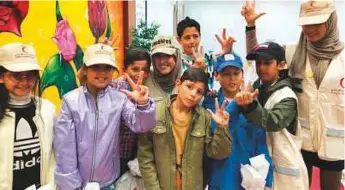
x=261 y=148
x=139 y=118
x=147 y=162
x=251 y=40
x=281 y=116
x=218 y=145
x=67 y=174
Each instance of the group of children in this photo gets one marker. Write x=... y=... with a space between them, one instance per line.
x=240 y=137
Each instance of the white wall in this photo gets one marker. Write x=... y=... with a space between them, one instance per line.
x=279 y=23
x=161 y=12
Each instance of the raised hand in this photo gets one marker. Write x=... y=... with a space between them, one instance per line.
x=245 y=97
x=226 y=42
x=139 y=93
x=249 y=14
x=198 y=59
x=110 y=41
x=221 y=117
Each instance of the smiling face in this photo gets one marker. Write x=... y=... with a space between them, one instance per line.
x=164 y=63
x=230 y=79
x=314 y=32
x=19 y=83
x=99 y=76
x=133 y=70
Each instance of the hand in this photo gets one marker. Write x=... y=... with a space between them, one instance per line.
x=221 y=117
x=199 y=59
x=245 y=97
x=139 y=93
x=248 y=12
x=110 y=41
x=225 y=42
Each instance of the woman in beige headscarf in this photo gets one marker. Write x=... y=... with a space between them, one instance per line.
x=316 y=66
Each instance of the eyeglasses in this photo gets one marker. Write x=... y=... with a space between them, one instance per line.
x=30 y=76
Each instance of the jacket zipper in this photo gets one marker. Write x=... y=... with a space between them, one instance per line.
x=94 y=143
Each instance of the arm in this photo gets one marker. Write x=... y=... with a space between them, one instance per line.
x=139 y=118
x=147 y=162
x=279 y=117
x=67 y=175
x=251 y=40
x=218 y=145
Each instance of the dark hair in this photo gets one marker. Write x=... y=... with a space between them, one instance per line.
x=195 y=75
x=185 y=23
x=5 y=96
x=136 y=54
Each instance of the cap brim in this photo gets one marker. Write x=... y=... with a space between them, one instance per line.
x=21 y=67
x=259 y=55
x=318 y=19
x=168 y=51
x=98 y=61
x=227 y=64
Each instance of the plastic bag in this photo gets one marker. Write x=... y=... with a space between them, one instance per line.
x=129 y=182
x=254 y=175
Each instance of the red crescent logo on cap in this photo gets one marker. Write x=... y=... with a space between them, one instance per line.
x=341 y=83
x=23 y=49
x=312 y=3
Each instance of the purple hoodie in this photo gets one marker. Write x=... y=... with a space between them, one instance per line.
x=86 y=139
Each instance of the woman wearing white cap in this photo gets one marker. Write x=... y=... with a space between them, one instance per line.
x=317 y=67
x=26 y=122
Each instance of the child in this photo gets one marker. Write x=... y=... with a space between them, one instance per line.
x=136 y=61
x=87 y=130
x=248 y=140
x=170 y=155
x=26 y=121
x=276 y=112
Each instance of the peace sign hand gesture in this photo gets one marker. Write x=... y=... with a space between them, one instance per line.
x=111 y=41
x=245 y=97
x=248 y=12
x=221 y=117
x=198 y=59
x=139 y=93
x=226 y=42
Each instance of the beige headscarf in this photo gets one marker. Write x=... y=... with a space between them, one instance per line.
x=324 y=50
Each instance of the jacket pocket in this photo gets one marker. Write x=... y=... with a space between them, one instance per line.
x=334 y=143
x=198 y=138
x=159 y=135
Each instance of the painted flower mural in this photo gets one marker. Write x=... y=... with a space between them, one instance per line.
x=97 y=15
x=12 y=14
x=59 y=70
x=65 y=40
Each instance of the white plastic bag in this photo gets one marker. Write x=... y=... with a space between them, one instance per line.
x=128 y=182
x=254 y=175
x=92 y=186
x=260 y=164
x=134 y=167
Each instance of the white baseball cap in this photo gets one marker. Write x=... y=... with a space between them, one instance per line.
x=18 y=57
x=98 y=54
x=164 y=44
x=315 y=12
